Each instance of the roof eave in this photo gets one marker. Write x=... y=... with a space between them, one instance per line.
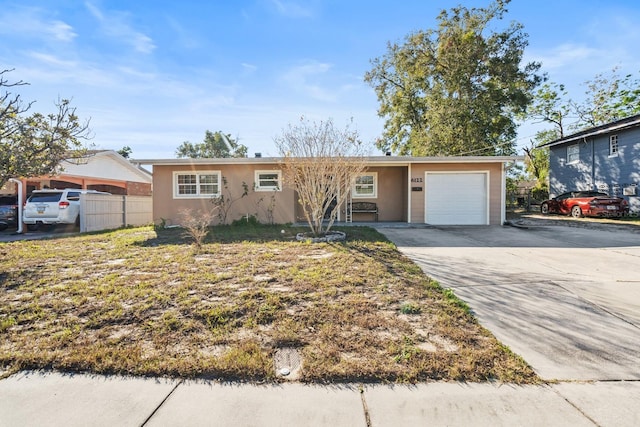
x=623 y=124
x=378 y=160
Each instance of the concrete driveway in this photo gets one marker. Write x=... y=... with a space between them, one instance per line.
x=566 y=299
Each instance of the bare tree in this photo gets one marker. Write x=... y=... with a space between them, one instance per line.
x=320 y=162
x=197 y=225
x=35 y=145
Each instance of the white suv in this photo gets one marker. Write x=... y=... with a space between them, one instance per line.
x=51 y=207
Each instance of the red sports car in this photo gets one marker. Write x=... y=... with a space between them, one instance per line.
x=586 y=203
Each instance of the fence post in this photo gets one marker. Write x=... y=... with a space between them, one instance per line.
x=82 y=213
x=124 y=211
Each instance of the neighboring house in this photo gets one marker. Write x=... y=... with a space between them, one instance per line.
x=603 y=158
x=104 y=170
x=432 y=190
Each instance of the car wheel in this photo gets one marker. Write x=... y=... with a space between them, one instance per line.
x=544 y=209
x=576 y=212
x=33 y=227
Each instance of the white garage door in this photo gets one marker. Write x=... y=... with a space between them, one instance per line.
x=456 y=198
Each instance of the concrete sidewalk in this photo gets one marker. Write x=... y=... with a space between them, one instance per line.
x=54 y=399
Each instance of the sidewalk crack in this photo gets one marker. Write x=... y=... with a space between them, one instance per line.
x=161 y=403
x=365 y=408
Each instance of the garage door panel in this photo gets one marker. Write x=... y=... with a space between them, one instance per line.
x=456 y=198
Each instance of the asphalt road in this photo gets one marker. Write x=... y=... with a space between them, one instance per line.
x=566 y=299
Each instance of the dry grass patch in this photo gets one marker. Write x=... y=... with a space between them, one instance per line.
x=137 y=301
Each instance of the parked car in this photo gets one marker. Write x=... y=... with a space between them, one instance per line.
x=8 y=212
x=51 y=207
x=586 y=203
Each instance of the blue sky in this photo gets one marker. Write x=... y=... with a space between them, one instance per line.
x=152 y=74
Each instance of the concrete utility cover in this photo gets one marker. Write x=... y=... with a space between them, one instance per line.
x=566 y=299
x=288 y=363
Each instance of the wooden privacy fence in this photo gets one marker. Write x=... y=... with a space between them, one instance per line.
x=106 y=212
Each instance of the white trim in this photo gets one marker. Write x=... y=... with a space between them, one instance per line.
x=487 y=182
x=503 y=194
x=613 y=153
x=198 y=184
x=258 y=187
x=371 y=161
x=409 y=195
x=374 y=195
x=573 y=162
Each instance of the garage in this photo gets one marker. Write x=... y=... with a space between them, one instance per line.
x=456 y=198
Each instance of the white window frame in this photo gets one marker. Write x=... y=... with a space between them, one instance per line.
x=613 y=146
x=355 y=194
x=571 y=154
x=198 y=184
x=260 y=187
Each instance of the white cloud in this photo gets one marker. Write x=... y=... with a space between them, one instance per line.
x=52 y=61
x=61 y=31
x=564 y=55
x=116 y=26
x=185 y=38
x=300 y=79
x=249 y=68
x=292 y=9
x=32 y=23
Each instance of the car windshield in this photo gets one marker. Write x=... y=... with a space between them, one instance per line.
x=592 y=194
x=45 y=197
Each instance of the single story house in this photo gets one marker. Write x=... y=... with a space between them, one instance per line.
x=431 y=190
x=604 y=158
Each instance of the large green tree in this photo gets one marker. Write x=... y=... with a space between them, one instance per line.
x=550 y=106
x=215 y=145
x=35 y=144
x=609 y=97
x=457 y=89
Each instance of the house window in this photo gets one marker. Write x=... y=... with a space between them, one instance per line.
x=268 y=180
x=613 y=145
x=573 y=153
x=196 y=184
x=365 y=186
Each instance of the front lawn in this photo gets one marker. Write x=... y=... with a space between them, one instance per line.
x=137 y=301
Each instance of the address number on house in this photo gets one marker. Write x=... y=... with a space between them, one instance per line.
x=416 y=179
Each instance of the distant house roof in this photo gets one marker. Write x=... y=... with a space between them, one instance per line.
x=626 y=123
x=105 y=164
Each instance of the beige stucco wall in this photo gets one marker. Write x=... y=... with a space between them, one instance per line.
x=392 y=198
x=166 y=207
x=495 y=187
x=392 y=195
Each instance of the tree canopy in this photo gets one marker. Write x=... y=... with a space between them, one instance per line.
x=457 y=89
x=35 y=144
x=125 y=151
x=609 y=97
x=215 y=145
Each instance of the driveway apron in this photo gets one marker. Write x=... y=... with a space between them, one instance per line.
x=566 y=299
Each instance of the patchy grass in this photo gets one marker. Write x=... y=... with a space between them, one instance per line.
x=145 y=302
